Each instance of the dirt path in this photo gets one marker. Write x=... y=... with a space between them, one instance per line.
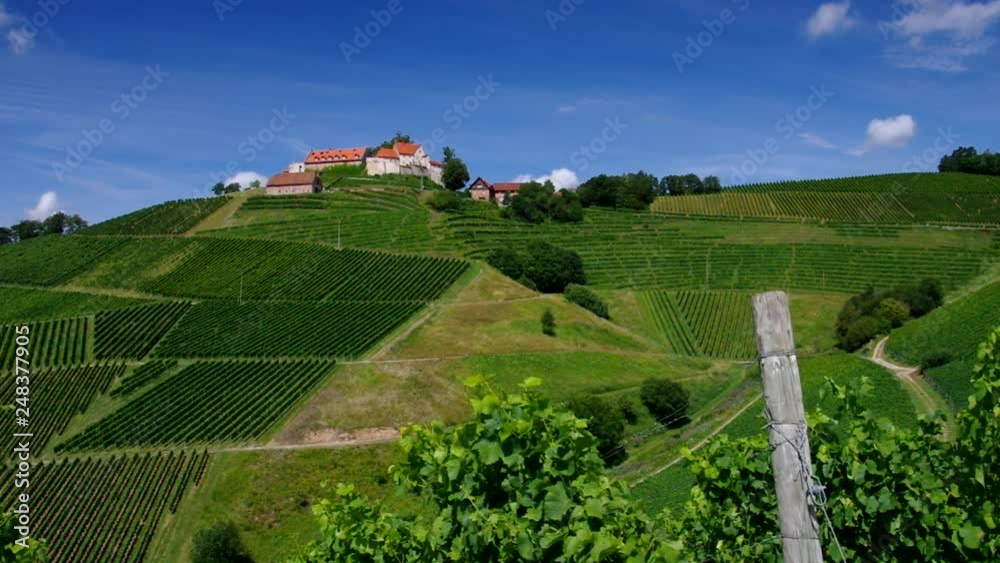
x=927 y=399
x=328 y=440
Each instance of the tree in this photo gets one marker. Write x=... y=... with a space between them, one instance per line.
x=55 y=224
x=548 y=323
x=712 y=185
x=233 y=188
x=693 y=184
x=585 y=297
x=894 y=311
x=255 y=185
x=565 y=207
x=219 y=543
x=455 y=174
x=6 y=236
x=666 y=400
x=599 y=191
x=521 y=481
x=74 y=223
x=445 y=201
x=552 y=268
x=606 y=422
x=508 y=261
x=862 y=331
x=532 y=202
x=27 y=229
x=672 y=185
x=219 y=189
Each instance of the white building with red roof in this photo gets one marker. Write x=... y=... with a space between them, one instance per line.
x=318 y=160
x=404 y=158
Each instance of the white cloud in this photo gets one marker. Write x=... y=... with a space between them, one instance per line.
x=562 y=179
x=20 y=42
x=830 y=18
x=889 y=132
x=940 y=35
x=816 y=140
x=47 y=205
x=245 y=178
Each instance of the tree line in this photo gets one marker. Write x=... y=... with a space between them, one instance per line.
x=970 y=161
x=56 y=224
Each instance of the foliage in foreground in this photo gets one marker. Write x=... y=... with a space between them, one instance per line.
x=11 y=552
x=523 y=481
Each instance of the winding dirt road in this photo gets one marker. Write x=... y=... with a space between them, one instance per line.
x=925 y=396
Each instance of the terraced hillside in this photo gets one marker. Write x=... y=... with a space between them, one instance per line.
x=947 y=198
x=637 y=251
x=170 y=218
x=718 y=324
x=391 y=219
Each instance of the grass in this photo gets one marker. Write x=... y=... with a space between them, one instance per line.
x=269 y=496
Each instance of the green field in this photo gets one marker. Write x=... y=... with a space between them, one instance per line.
x=131 y=333
x=22 y=305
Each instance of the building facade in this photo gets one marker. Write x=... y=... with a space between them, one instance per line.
x=287 y=183
x=318 y=160
x=500 y=193
x=404 y=158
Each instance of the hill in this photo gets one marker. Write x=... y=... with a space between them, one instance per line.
x=945 y=198
x=276 y=342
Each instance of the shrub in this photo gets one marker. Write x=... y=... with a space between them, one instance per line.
x=629 y=409
x=219 y=543
x=445 y=201
x=586 y=298
x=862 y=331
x=666 y=400
x=894 y=311
x=936 y=358
x=605 y=421
x=509 y=263
x=548 y=323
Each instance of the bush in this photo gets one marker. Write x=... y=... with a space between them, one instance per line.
x=509 y=262
x=629 y=409
x=586 y=298
x=936 y=358
x=606 y=422
x=863 y=331
x=445 y=201
x=666 y=400
x=548 y=323
x=890 y=309
x=219 y=543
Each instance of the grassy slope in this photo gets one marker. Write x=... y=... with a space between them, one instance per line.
x=888 y=399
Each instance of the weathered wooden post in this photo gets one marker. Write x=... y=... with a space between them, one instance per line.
x=790 y=455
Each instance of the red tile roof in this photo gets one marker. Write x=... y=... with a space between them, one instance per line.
x=292 y=179
x=386 y=153
x=407 y=149
x=438 y=164
x=336 y=155
x=507 y=186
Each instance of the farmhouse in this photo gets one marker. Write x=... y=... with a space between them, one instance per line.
x=500 y=193
x=294 y=183
x=318 y=160
x=404 y=158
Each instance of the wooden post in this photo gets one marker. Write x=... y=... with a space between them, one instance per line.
x=790 y=455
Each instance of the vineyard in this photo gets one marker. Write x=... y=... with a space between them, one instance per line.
x=639 y=251
x=205 y=403
x=142 y=376
x=717 y=324
x=170 y=218
x=98 y=510
x=51 y=260
x=56 y=396
x=957 y=327
x=262 y=329
x=897 y=198
x=20 y=305
x=132 y=333
x=61 y=342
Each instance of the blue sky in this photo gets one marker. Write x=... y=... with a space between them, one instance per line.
x=544 y=89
